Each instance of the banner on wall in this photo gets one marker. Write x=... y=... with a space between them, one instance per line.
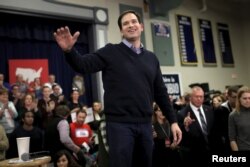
x=225 y=45
x=186 y=40
x=207 y=42
x=173 y=84
x=29 y=68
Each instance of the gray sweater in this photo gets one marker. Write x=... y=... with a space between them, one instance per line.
x=238 y=128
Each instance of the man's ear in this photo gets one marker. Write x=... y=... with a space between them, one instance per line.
x=121 y=34
x=142 y=27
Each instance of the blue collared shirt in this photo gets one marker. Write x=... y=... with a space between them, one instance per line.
x=128 y=44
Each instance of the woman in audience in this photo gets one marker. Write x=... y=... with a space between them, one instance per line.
x=16 y=96
x=4 y=143
x=74 y=104
x=165 y=152
x=46 y=106
x=238 y=122
x=7 y=112
x=30 y=104
x=64 y=159
x=217 y=100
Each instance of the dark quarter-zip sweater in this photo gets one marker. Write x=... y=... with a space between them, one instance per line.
x=131 y=82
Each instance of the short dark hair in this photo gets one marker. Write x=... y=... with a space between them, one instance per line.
x=124 y=13
x=23 y=114
x=62 y=110
x=81 y=111
x=232 y=89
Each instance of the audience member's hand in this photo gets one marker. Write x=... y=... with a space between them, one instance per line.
x=61 y=98
x=154 y=132
x=188 y=121
x=80 y=156
x=92 y=140
x=34 y=105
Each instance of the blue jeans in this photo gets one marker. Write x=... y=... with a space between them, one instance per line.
x=129 y=143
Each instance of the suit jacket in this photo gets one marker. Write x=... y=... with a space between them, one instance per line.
x=194 y=139
x=221 y=138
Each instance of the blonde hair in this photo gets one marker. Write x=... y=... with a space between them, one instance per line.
x=243 y=89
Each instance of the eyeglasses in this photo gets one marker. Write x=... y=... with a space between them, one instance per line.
x=74 y=88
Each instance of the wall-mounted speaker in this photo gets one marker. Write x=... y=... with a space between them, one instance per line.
x=161 y=7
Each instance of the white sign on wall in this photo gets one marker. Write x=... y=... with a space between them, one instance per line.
x=173 y=84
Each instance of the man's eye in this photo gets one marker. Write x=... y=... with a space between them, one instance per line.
x=125 y=23
x=134 y=21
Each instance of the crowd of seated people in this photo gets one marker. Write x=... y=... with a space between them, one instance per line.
x=43 y=113
x=29 y=110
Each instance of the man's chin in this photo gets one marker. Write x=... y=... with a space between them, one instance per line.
x=131 y=39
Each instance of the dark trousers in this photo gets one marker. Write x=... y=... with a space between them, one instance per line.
x=130 y=144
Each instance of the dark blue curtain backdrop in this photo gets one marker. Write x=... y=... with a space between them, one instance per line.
x=29 y=37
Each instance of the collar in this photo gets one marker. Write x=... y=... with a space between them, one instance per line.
x=195 y=108
x=128 y=44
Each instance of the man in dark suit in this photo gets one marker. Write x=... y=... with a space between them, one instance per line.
x=196 y=121
x=221 y=138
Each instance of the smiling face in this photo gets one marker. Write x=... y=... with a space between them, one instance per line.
x=131 y=28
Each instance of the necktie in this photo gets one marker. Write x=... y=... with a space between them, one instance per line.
x=203 y=122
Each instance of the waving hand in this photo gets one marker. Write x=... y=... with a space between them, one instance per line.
x=65 y=39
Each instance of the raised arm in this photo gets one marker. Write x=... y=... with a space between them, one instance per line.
x=65 y=39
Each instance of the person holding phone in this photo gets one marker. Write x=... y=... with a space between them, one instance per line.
x=83 y=137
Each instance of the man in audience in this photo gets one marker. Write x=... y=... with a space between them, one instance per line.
x=23 y=85
x=82 y=136
x=57 y=95
x=52 y=81
x=57 y=135
x=79 y=131
x=221 y=138
x=3 y=84
x=26 y=129
x=196 y=121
